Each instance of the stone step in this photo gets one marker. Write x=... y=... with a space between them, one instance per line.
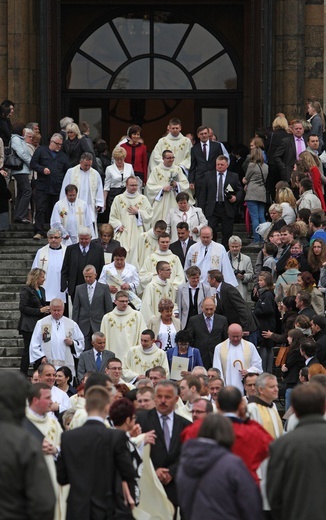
x=12 y=287
x=9 y=296
x=26 y=256
x=12 y=342
x=16 y=276
x=11 y=352
x=19 y=265
x=9 y=314
x=9 y=362
x=9 y=333
x=23 y=242
x=9 y=307
x=8 y=323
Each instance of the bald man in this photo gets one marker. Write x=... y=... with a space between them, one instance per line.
x=234 y=356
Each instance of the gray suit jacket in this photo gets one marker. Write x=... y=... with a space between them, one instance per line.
x=183 y=300
x=90 y=315
x=86 y=362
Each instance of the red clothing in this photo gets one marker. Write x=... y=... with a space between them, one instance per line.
x=316 y=184
x=137 y=157
x=251 y=442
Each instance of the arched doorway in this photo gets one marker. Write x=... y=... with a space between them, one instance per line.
x=148 y=65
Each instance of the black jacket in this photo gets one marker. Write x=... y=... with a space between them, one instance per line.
x=58 y=165
x=29 y=305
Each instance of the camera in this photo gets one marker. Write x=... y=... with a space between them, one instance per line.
x=238 y=271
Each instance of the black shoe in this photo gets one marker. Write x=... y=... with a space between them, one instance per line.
x=26 y=221
x=16 y=221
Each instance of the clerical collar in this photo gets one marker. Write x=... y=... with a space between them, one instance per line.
x=159 y=252
x=37 y=414
x=131 y=195
x=170 y=136
x=56 y=248
x=149 y=350
x=257 y=400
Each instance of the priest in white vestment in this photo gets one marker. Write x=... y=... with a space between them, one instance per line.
x=143 y=357
x=69 y=214
x=160 y=287
x=131 y=214
x=50 y=259
x=57 y=339
x=164 y=184
x=89 y=184
x=179 y=145
x=162 y=253
x=234 y=356
x=147 y=241
x=122 y=327
x=208 y=255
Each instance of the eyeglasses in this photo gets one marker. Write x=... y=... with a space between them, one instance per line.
x=54 y=238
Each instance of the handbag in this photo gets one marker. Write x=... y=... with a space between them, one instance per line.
x=281 y=356
x=11 y=160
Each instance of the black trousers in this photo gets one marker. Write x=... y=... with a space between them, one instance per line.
x=24 y=362
x=219 y=216
x=44 y=205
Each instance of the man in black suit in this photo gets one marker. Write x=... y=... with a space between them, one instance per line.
x=203 y=159
x=168 y=427
x=220 y=194
x=230 y=303
x=95 y=359
x=207 y=330
x=181 y=246
x=91 y=458
x=289 y=150
x=92 y=301
x=303 y=304
x=77 y=257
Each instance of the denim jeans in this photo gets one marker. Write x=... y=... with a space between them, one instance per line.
x=257 y=214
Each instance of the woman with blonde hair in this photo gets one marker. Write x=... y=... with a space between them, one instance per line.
x=255 y=187
x=284 y=196
x=116 y=175
x=76 y=144
x=311 y=166
x=280 y=128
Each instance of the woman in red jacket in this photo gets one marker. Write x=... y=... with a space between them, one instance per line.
x=136 y=152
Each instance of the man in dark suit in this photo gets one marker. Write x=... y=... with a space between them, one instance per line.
x=92 y=301
x=181 y=246
x=230 y=303
x=168 y=427
x=308 y=349
x=203 y=159
x=289 y=150
x=207 y=330
x=303 y=304
x=77 y=257
x=95 y=359
x=220 y=194
x=91 y=458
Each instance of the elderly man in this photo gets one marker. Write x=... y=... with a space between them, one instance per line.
x=207 y=330
x=123 y=326
x=234 y=356
x=95 y=359
x=162 y=253
x=207 y=254
x=163 y=185
x=69 y=214
x=130 y=215
x=92 y=301
x=177 y=143
x=143 y=357
x=56 y=339
x=60 y=400
x=50 y=259
x=50 y=164
x=86 y=252
x=89 y=184
x=241 y=265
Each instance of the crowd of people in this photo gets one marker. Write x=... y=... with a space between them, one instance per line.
x=136 y=316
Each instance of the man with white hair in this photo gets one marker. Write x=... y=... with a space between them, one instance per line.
x=89 y=184
x=77 y=256
x=56 y=339
x=50 y=259
x=234 y=356
x=241 y=265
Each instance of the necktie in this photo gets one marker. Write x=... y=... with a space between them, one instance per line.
x=206 y=249
x=217 y=296
x=208 y=324
x=90 y=293
x=184 y=248
x=166 y=431
x=299 y=147
x=84 y=251
x=98 y=361
x=220 y=196
x=168 y=341
x=204 y=150
x=184 y=217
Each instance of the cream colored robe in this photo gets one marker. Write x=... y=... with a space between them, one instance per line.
x=149 y=268
x=153 y=293
x=180 y=146
x=146 y=244
x=122 y=330
x=137 y=361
